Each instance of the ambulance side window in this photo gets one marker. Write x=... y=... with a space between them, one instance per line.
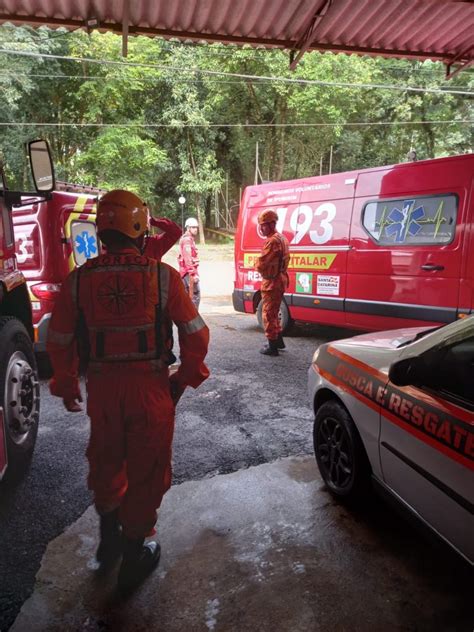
x=427 y=220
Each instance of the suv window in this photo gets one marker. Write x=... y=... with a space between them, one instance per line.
x=454 y=372
x=411 y=221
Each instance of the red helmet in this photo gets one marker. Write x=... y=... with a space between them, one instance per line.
x=265 y=217
x=124 y=212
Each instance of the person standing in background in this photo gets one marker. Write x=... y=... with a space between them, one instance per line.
x=188 y=261
x=272 y=264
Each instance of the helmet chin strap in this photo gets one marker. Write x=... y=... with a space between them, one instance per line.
x=141 y=248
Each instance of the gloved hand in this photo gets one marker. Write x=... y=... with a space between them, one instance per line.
x=72 y=404
x=176 y=389
x=160 y=222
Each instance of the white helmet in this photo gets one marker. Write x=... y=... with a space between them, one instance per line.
x=191 y=222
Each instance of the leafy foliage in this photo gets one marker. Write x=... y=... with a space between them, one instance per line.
x=161 y=125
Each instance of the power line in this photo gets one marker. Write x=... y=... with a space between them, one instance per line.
x=180 y=125
x=147 y=79
x=252 y=53
x=230 y=49
x=289 y=80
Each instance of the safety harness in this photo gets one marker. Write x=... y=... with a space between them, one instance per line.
x=162 y=354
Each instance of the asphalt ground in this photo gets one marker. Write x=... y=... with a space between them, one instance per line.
x=252 y=410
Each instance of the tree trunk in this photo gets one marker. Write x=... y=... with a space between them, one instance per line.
x=428 y=131
x=197 y=203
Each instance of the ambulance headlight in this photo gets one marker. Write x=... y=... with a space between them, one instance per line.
x=315 y=356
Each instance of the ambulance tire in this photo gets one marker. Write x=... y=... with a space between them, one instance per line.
x=285 y=320
x=340 y=454
x=19 y=395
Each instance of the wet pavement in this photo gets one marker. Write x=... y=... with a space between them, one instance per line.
x=265 y=548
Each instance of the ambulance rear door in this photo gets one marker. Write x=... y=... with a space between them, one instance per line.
x=319 y=227
x=407 y=239
x=78 y=229
x=281 y=197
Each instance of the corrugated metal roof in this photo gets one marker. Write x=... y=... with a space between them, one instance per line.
x=422 y=29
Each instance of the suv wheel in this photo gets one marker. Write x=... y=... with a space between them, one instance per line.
x=339 y=453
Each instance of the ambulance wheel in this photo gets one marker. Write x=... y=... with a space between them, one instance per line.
x=19 y=394
x=339 y=453
x=283 y=315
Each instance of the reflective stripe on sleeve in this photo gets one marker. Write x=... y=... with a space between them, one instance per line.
x=192 y=326
x=58 y=338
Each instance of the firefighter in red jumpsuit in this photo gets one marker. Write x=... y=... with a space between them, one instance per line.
x=188 y=261
x=272 y=264
x=118 y=310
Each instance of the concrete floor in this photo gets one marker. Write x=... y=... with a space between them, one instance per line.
x=264 y=549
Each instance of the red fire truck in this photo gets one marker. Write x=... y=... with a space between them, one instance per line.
x=373 y=249
x=19 y=387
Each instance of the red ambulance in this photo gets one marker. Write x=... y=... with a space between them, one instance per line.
x=51 y=238
x=373 y=249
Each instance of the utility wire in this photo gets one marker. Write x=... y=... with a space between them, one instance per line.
x=289 y=80
x=230 y=49
x=250 y=53
x=179 y=124
x=147 y=79
x=409 y=68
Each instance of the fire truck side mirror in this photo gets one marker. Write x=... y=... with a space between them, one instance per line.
x=41 y=166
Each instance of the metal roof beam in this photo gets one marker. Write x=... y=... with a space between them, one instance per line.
x=310 y=34
x=125 y=25
x=463 y=61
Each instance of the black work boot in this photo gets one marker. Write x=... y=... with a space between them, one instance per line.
x=271 y=348
x=280 y=342
x=139 y=560
x=110 y=545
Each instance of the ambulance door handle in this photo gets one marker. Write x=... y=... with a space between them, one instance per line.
x=432 y=267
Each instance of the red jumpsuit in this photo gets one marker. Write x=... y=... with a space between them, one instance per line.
x=188 y=261
x=119 y=309
x=273 y=265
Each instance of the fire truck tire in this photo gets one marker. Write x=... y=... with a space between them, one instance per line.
x=339 y=453
x=19 y=394
x=284 y=315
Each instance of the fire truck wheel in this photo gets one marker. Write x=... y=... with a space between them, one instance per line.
x=283 y=315
x=19 y=394
x=339 y=453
